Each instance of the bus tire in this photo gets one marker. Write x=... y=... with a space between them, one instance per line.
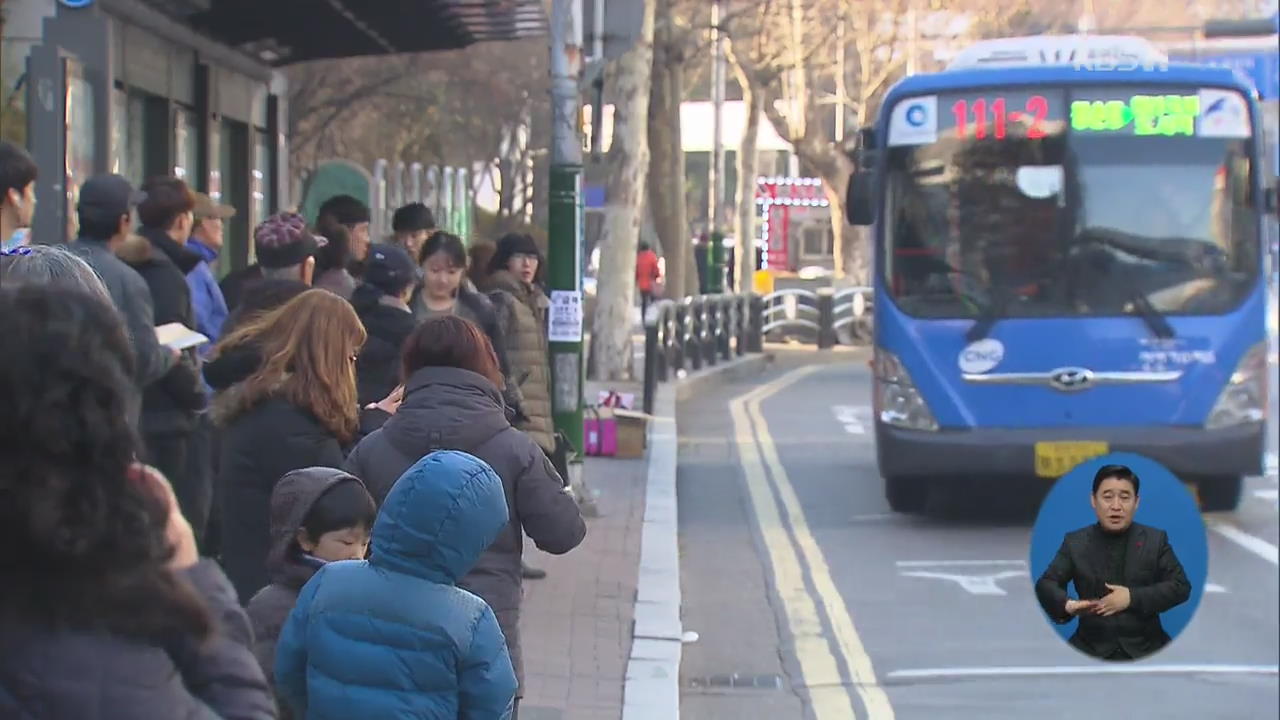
x=906 y=495
x=1219 y=494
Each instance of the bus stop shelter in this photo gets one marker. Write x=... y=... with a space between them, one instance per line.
x=191 y=88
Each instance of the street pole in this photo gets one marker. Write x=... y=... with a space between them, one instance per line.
x=564 y=265
x=715 y=263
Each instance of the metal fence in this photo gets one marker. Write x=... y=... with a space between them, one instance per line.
x=705 y=330
x=697 y=332
x=827 y=316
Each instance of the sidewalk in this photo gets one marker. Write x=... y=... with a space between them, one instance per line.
x=576 y=623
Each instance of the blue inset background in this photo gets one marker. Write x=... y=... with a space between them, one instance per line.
x=1163 y=503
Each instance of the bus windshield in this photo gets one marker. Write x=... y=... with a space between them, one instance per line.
x=1071 y=202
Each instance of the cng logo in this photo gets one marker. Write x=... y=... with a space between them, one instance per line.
x=981 y=356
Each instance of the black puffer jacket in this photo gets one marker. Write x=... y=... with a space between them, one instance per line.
x=453 y=409
x=90 y=676
x=259 y=445
x=378 y=367
x=169 y=405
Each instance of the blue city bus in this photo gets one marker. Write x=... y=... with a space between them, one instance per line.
x=1068 y=262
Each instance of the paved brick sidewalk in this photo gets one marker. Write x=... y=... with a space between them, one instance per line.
x=576 y=623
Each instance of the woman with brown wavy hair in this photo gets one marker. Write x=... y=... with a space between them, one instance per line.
x=295 y=408
x=106 y=609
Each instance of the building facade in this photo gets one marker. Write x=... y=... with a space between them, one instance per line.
x=120 y=86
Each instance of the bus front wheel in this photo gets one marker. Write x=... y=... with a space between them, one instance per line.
x=1219 y=494
x=906 y=495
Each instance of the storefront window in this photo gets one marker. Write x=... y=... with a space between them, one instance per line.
x=13 y=90
x=261 y=187
x=119 y=132
x=185 y=139
x=135 y=165
x=79 y=139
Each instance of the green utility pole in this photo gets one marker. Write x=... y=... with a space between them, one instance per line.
x=564 y=271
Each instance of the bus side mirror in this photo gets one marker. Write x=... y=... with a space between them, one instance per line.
x=860 y=199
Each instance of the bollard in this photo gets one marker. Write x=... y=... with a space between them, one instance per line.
x=755 y=335
x=711 y=330
x=650 y=363
x=725 y=310
x=664 y=327
x=742 y=308
x=826 y=318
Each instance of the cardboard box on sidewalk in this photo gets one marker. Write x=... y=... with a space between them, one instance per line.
x=632 y=431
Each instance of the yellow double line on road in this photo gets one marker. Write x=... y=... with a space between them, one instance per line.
x=789 y=554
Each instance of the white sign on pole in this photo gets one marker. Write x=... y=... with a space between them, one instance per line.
x=564 y=321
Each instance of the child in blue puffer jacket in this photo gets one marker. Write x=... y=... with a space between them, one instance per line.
x=392 y=637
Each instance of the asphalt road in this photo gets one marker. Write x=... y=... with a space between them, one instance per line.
x=812 y=600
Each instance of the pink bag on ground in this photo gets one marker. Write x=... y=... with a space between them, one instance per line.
x=591 y=432
x=601 y=434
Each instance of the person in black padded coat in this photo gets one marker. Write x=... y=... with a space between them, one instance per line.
x=382 y=304
x=107 y=612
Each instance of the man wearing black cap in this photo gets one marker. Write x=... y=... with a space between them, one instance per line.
x=382 y=303
x=105 y=212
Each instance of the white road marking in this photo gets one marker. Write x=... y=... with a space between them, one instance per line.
x=1271 y=495
x=851 y=417
x=973 y=584
x=1099 y=669
x=1255 y=545
x=958 y=563
x=1214 y=588
x=874 y=517
x=789 y=553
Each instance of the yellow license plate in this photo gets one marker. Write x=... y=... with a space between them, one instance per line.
x=1055 y=459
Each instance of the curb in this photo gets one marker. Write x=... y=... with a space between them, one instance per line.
x=652 y=685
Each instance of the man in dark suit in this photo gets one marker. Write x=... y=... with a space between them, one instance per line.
x=1125 y=574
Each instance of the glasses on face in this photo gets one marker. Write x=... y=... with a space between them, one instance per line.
x=524 y=258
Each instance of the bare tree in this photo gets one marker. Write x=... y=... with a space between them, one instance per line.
x=485 y=104
x=627 y=164
x=673 y=45
x=792 y=60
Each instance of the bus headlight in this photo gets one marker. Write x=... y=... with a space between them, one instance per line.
x=897 y=401
x=1244 y=399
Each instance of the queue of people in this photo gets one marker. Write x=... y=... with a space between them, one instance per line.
x=368 y=432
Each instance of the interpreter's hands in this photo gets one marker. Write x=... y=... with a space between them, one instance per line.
x=177 y=531
x=1075 y=607
x=391 y=403
x=1116 y=601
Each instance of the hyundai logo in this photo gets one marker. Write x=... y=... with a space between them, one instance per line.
x=1071 y=379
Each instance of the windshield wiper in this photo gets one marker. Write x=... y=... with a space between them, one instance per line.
x=1159 y=325
x=990 y=315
